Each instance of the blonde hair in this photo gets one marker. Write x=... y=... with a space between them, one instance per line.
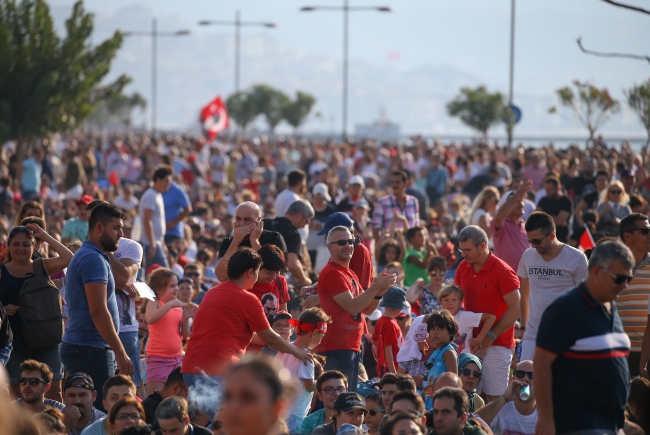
x=451 y=288
x=479 y=201
x=625 y=198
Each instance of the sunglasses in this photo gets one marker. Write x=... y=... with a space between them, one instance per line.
x=331 y=390
x=343 y=242
x=376 y=411
x=134 y=417
x=32 y=381
x=644 y=231
x=619 y=279
x=468 y=372
x=521 y=373
x=434 y=273
x=538 y=241
x=193 y=274
x=615 y=192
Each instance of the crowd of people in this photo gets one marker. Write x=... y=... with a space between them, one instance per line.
x=271 y=286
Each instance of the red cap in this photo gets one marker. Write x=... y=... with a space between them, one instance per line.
x=153 y=267
x=85 y=200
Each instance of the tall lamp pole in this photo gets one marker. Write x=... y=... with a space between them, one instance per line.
x=512 y=68
x=346 y=8
x=238 y=24
x=154 y=34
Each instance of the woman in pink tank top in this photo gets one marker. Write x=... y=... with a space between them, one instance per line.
x=168 y=320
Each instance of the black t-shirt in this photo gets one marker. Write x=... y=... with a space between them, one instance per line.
x=321 y=216
x=591 y=199
x=266 y=238
x=6 y=336
x=194 y=430
x=289 y=233
x=554 y=207
x=150 y=404
x=578 y=184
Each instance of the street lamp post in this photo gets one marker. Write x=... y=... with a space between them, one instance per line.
x=346 y=8
x=238 y=24
x=154 y=34
x=512 y=67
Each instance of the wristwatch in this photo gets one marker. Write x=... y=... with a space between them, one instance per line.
x=491 y=335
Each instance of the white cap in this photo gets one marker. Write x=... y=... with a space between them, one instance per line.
x=356 y=179
x=374 y=316
x=321 y=189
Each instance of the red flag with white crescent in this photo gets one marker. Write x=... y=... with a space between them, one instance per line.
x=214 y=118
x=586 y=241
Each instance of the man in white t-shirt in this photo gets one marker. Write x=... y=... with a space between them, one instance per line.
x=152 y=217
x=296 y=186
x=515 y=412
x=547 y=271
x=125 y=263
x=126 y=200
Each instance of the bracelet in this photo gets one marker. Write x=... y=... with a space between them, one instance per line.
x=491 y=335
x=505 y=398
x=378 y=297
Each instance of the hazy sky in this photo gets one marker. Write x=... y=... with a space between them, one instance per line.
x=408 y=63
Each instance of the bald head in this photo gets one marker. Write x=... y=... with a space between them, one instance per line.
x=247 y=213
x=447 y=379
x=248 y=207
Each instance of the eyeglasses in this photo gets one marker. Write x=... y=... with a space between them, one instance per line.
x=615 y=192
x=32 y=381
x=434 y=273
x=343 y=242
x=644 y=231
x=375 y=411
x=192 y=274
x=331 y=390
x=474 y=373
x=619 y=279
x=538 y=241
x=521 y=373
x=466 y=251
x=134 y=416
x=281 y=327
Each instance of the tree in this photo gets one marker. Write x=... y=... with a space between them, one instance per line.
x=117 y=109
x=477 y=108
x=242 y=108
x=47 y=83
x=591 y=106
x=271 y=103
x=638 y=98
x=297 y=110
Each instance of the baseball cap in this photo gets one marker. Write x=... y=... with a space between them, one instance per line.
x=85 y=200
x=362 y=203
x=79 y=380
x=628 y=173
x=281 y=315
x=321 y=189
x=356 y=179
x=335 y=220
x=374 y=316
x=349 y=401
x=395 y=297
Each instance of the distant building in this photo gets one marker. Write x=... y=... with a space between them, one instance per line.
x=382 y=130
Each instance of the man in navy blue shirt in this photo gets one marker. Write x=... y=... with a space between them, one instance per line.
x=581 y=373
x=91 y=343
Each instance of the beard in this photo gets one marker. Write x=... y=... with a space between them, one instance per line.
x=107 y=243
x=33 y=399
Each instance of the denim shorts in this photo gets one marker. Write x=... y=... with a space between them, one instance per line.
x=21 y=352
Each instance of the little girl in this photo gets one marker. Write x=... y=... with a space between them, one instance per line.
x=442 y=329
x=168 y=320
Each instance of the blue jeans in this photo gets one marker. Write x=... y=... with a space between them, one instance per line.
x=206 y=391
x=5 y=353
x=159 y=258
x=97 y=362
x=345 y=361
x=131 y=344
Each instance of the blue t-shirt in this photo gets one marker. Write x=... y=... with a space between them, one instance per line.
x=30 y=178
x=89 y=265
x=175 y=200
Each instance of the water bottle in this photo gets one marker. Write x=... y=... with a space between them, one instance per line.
x=524 y=393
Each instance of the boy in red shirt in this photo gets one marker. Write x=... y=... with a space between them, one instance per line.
x=388 y=337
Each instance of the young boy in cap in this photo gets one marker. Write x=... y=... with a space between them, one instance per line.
x=387 y=337
x=77 y=227
x=115 y=388
x=349 y=408
x=78 y=396
x=311 y=328
x=281 y=323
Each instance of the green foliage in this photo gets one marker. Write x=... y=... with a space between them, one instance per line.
x=477 y=108
x=47 y=83
x=242 y=108
x=638 y=98
x=117 y=109
x=591 y=106
x=296 y=111
x=274 y=104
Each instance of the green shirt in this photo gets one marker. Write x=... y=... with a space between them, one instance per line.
x=75 y=229
x=412 y=271
x=312 y=421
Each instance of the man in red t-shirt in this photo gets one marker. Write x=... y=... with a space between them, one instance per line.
x=490 y=286
x=224 y=326
x=344 y=300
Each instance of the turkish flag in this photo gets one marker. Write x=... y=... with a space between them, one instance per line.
x=586 y=241
x=214 y=118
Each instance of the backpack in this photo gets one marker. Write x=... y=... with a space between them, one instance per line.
x=40 y=308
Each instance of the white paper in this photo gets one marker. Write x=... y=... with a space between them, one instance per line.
x=144 y=291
